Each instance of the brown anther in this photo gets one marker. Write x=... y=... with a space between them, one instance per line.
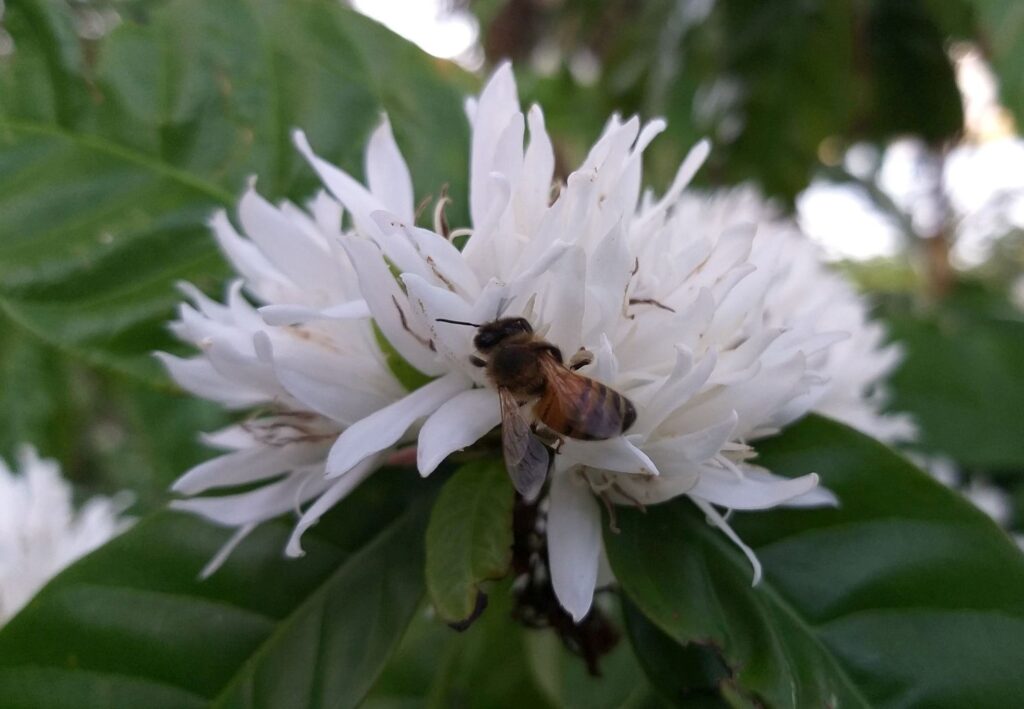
x=636 y=503
x=426 y=342
x=650 y=301
x=613 y=520
x=422 y=206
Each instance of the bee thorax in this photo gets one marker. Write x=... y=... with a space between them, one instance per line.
x=517 y=368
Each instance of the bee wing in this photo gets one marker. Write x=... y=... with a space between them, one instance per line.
x=526 y=458
x=580 y=407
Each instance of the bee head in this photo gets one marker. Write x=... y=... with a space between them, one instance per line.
x=491 y=334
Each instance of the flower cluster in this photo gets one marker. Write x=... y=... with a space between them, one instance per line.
x=41 y=532
x=808 y=296
x=700 y=318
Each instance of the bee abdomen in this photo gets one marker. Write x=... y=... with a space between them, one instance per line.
x=597 y=414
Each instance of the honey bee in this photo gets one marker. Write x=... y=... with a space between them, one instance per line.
x=523 y=367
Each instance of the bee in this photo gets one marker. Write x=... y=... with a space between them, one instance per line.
x=522 y=367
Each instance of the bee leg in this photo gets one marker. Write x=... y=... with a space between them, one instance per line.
x=476 y=361
x=581 y=359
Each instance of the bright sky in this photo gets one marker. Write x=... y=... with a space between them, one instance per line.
x=432 y=24
x=983 y=178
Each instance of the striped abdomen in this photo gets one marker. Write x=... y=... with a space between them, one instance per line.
x=578 y=407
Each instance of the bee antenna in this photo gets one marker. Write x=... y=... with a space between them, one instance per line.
x=456 y=322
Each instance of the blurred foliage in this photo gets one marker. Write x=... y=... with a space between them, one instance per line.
x=776 y=85
x=1001 y=24
x=114 y=152
x=140 y=135
x=437 y=667
x=115 y=148
x=962 y=376
x=133 y=626
x=901 y=595
x=469 y=539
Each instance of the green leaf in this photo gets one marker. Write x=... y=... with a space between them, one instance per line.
x=484 y=666
x=496 y=662
x=140 y=438
x=114 y=153
x=131 y=625
x=961 y=381
x=905 y=595
x=566 y=682
x=33 y=395
x=1001 y=24
x=469 y=539
x=692 y=674
x=913 y=83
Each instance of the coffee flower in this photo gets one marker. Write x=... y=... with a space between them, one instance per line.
x=678 y=319
x=675 y=319
x=807 y=295
x=307 y=362
x=41 y=532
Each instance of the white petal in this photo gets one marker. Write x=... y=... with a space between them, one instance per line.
x=457 y=424
x=564 y=301
x=326 y=212
x=387 y=174
x=605 y=367
x=285 y=244
x=225 y=551
x=616 y=454
x=574 y=544
x=755 y=400
x=261 y=504
x=817 y=497
x=384 y=298
x=197 y=376
x=262 y=277
x=345 y=402
x=247 y=466
x=628 y=188
x=538 y=170
x=725 y=489
x=235 y=363
x=693 y=162
x=296 y=314
x=608 y=273
x=677 y=478
x=432 y=302
x=229 y=438
x=479 y=251
x=384 y=427
x=717 y=520
x=326 y=501
x=694 y=447
x=679 y=387
x=497 y=104
x=443 y=261
x=356 y=198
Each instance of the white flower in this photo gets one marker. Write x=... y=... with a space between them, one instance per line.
x=41 y=532
x=808 y=296
x=677 y=315
x=675 y=318
x=307 y=361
